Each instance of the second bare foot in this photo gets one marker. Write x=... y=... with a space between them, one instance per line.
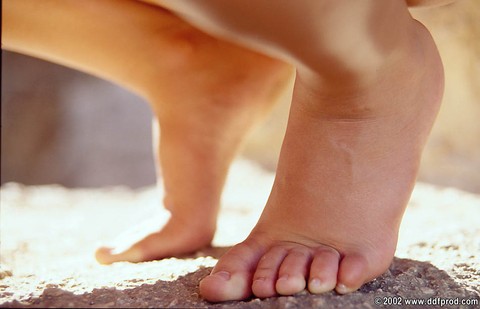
x=207 y=95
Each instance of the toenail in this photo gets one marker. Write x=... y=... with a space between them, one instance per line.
x=223 y=275
x=315 y=284
x=283 y=277
x=342 y=289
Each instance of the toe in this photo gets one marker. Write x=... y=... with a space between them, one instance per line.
x=231 y=279
x=323 y=271
x=353 y=272
x=293 y=271
x=105 y=255
x=266 y=274
x=133 y=249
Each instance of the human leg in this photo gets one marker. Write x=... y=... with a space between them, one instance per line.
x=369 y=83
x=205 y=92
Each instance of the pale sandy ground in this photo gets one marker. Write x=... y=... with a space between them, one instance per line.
x=49 y=234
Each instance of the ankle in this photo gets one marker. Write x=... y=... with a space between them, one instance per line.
x=414 y=66
x=195 y=227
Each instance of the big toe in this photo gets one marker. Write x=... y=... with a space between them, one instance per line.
x=106 y=255
x=231 y=279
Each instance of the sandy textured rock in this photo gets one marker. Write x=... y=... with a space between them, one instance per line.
x=48 y=236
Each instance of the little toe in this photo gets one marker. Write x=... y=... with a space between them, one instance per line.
x=231 y=279
x=266 y=274
x=323 y=271
x=353 y=272
x=293 y=271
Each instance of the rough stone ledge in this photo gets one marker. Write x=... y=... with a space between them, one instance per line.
x=48 y=235
x=406 y=279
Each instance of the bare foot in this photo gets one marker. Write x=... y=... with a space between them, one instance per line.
x=346 y=172
x=207 y=96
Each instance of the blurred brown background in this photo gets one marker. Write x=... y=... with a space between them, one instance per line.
x=62 y=126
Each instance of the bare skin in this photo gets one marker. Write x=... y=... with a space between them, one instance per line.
x=358 y=123
x=332 y=219
x=230 y=89
x=369 y=84
x=205 y=93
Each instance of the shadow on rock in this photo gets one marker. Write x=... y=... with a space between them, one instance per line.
x=182 y=292
x=405 y=280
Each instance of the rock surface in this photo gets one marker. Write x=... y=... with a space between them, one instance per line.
x=49 y=233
